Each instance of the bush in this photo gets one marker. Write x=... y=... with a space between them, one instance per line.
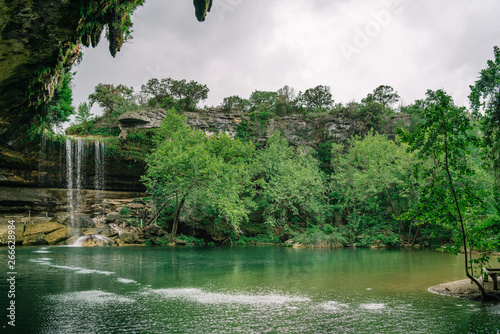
x=324 y=237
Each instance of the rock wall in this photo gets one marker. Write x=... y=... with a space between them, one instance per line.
x=298 y=129
x=35 y=178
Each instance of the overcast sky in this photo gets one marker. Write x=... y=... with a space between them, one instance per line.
x=353 y=46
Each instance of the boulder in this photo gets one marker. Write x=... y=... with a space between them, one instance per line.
x=4 y=233
x=44 y=228
x=112 y=217
x=57 y=236
x=153 y=231
x=79 y=221
x=35 y=239
x=129 y=237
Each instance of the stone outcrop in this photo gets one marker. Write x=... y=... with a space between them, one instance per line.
x=298 y=129
x=35 y=231
x=211 y=120
x=54 y=200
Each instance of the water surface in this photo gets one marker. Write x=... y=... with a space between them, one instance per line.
x=239 y=290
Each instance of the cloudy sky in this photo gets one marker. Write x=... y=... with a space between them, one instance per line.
x=353 y=46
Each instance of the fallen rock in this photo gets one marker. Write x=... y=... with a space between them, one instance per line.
x=44 y=228
x=79 y=221
x=35 y=239
x=58 y=236
x=112 y=217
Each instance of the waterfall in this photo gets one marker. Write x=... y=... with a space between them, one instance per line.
x=79 y=156
x=99 y=170
x=69 y=179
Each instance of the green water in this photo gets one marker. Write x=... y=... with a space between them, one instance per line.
x=238 y=290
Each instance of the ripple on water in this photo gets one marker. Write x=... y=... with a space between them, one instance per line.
x=203 y=297
x=333 y=306
x=80 y=270
x=373 y=306
x=125 y=280
x=41 y=260
x=90 y=297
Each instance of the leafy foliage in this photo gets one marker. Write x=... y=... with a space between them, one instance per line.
x=447 y=198
x=174 y=93
x=198 y=174
x=113 y=100
x=385 y=95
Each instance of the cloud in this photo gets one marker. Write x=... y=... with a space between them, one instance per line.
x=264 y=45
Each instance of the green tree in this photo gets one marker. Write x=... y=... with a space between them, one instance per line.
x=234 y=103
x=193 y=171
x=262 y=100
x=447 y=199
x=385 y=95
x=485 y=96
x=291 y=188
x=83 y=116
x=168 y=92
x=113 y=100
x=287 y=101
x=317 y=98
x=381 y=168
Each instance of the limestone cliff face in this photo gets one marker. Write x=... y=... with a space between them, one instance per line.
x=297 y=129
x=36 y=177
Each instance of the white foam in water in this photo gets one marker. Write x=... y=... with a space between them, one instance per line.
x=125 y=280
x=333 y=306
x=90 y=297
x=93 y=271
x=372 y=306
x=495 y=309
x=42 y=260
x=79 y=270
x=42 y=252
x=203 y=297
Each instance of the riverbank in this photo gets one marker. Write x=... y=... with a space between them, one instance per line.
x=464 y=289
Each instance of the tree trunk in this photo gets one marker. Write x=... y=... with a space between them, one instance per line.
x=401 y=229
x=178 y=207
x=416 y=234
x=462 y=226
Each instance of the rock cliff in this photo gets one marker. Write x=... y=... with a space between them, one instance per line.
x=298 y=129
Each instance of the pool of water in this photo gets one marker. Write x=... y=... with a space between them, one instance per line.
x=238 y=290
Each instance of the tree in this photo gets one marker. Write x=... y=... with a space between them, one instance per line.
x=319 y=97
x=447 y=198
x=167 y=90
x=113 y=100
x=262 y=100
x=83 y=116
x=380 y=167
x=385 y=95
x=286 y=101
x=291 y=188
x=485 y=96
x=193 y=171
x=234 y=103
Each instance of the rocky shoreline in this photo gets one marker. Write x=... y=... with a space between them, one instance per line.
x=464 y=289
